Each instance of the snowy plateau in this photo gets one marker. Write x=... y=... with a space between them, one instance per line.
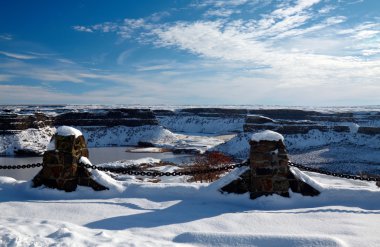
x=173 y=212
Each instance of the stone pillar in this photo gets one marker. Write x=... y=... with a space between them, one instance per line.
x=60 y=163
x=269 y=171
x=269 y=168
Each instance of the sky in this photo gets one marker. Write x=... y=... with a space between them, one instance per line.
x=190 y=52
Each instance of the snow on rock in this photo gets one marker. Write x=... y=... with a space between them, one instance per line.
x=85 y=160
x=228 y=178
x=267 y=135
x=33 y=141
x=353 y=127
x=36 y=141
x=197 y=124
x=305 y=178
x=127 y=136
x=68 y=131
x=147 y=150
x=101 y=177
x=237 y=147
x=127 y=163
x=51 y=145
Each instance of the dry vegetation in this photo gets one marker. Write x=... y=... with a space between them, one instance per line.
x=207 y=161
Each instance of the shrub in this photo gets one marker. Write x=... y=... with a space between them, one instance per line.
x=206 y=161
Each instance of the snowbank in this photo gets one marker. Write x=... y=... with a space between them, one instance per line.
x=179 y=214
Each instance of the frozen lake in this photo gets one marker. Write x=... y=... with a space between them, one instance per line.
x=98 y=155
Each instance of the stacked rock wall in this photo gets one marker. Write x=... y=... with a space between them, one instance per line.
x=269 y=168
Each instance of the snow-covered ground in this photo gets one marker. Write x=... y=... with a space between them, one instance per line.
x=135 y=213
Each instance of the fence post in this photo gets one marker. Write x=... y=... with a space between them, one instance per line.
x=269 y=171
x=269 y=167
x=60 y=163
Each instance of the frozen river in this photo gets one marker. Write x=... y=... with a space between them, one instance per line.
x=97 y=156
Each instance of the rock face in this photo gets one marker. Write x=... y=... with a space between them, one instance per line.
x=296 y=122
x=60 y=165
x=109 y=118
x=269 y=173
x=202 y=120
x=9 y=122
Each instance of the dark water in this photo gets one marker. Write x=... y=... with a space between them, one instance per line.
x=97 y=156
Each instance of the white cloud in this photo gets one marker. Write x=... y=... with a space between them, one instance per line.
x=299 y=52
x=292 y=32
x=6 y=37
x=17 y=56
x=126 y=28
x=123 y=56
x=155 y=17
x=218 y=3
x=327 y=9
x=371 y=52
x=82 y=29
x=65 y=60
x=296 y=9
x=155 y=67
x=221 y=12
x=289 y=68
x=366 y=34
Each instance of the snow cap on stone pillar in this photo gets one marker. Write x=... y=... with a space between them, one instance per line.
x=267 y=135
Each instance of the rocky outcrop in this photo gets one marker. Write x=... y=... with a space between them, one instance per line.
x=109 y=118
x=291 y=126
x=20 y=134
x=114 y=117
x=369 y=130
x=215 y=112
x=286 y=129
x=203 y=120
x=13 y=121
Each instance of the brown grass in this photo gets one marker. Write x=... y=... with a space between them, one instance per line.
x=206 y=161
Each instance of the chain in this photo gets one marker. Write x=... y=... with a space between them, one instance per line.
x=22 y=166
x=129 y=171
x=340 y=175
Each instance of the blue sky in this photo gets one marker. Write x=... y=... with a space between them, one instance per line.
x=271 y=52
